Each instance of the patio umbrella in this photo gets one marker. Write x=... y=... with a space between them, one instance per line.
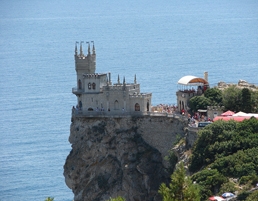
x=228 y=113
x=227 y=195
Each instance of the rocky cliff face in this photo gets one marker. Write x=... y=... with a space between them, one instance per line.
x=113 y=157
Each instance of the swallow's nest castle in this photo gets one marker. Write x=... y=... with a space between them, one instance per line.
x=96 y=94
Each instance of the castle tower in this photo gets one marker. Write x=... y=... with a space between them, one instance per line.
x=84 y=64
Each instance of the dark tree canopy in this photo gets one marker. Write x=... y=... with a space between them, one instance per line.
x=199 y=102
x=246 y=101
x=232 y=98
x=215 y=95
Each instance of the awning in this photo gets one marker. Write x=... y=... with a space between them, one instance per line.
x=202 y=110
x=192 y=81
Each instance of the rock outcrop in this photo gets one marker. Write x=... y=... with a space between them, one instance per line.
x=113 y=157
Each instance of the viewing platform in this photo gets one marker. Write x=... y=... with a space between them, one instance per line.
x=118 y=114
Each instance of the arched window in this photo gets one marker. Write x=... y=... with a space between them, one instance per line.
x=137 y=107
x=79 y=84
x=89 y=85
x=148 y=106
x=80 y=105
x=116 y=107
x=93 y=85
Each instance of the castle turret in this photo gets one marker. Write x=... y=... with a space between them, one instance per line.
x=84 y=64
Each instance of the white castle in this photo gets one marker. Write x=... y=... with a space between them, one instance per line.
x=97 y=95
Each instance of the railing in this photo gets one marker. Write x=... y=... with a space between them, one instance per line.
x=80 y=113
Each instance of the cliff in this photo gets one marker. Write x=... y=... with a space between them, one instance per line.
x=123 y=156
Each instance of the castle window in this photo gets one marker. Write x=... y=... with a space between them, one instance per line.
x=79 y=84
x=137 y=107
x=93 y=85
x=116 y=105
x=148 y=106
x=89 y=85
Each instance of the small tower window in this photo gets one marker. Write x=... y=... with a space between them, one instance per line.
x=79 y=84
x=93 y=85
x=137 y=107
x=89 y=85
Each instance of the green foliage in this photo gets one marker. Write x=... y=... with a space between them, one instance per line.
x=49 y=199
x=180 y=188
x=252 y=178
x=172 y=159
x=232 y=98
x=237 y=140
x=215 y=95
x=228 y=187
x=228 y=149
x=254 y=101
x=243 y=195
x=178 y=139
x=236 y=99
x=239 y=164
x=253 y=196
x=199 y=102
x=119 y=198
x=209 y=180
x=246 y=100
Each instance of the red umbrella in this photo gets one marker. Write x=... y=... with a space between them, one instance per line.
x=228 y=113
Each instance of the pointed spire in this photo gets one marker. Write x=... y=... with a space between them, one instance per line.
x=76 y=51
x=118 y=79
x=81 y=52
x=124 y=81
x=88 y=48
x=93 y=48
x=135 y=81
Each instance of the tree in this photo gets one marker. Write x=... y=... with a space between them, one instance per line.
x=215 y=95
x=246 y=100
x=232 y=98
x=254 y=99
x=253 y=196
x=180 y=188
x=199 y=102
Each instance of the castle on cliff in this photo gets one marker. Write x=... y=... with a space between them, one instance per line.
x=96 y=94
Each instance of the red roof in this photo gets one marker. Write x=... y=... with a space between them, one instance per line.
x=235 y=118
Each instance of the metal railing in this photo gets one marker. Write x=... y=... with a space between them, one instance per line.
x=81 y=113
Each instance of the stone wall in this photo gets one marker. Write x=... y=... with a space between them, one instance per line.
x=123 y=156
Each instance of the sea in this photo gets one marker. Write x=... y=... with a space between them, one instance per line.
x=158 y=41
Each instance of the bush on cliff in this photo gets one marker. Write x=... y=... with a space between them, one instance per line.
x=119 y=198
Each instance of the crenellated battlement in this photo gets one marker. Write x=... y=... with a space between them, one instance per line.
x=85 y=63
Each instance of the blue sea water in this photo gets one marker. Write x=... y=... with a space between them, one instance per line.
x=159 y=41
